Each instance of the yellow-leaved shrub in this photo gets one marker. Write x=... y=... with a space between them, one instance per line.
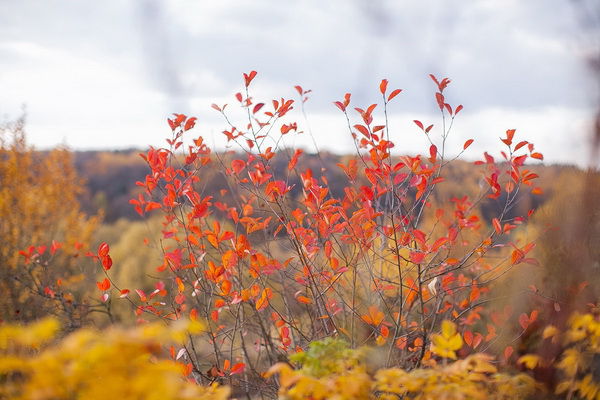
x=475 y=377
x=579 y=363
x=91 y=364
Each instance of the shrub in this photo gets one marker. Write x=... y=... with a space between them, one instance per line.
x=40 y=213
x=475 y=377
x=275 y=262
x=89 y=364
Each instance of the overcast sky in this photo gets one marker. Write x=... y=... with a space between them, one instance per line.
x=106 y=74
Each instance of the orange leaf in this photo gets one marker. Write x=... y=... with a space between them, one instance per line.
x=225 y=287
x=383 y=86
x=468 y=335
x=538 y=156
x=375 y=317
x=497 y=226
x=237 y=368
x=362 y=129
x=304 y=300
x=104 y=285
x=395 y=93
x=237 y=166
x=189 y=124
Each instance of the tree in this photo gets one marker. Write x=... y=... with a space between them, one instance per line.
x=40 y=213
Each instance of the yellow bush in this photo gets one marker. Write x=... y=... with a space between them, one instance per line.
x=474 y=377
x=579 y=363
x=39 y=206
x=90 y=364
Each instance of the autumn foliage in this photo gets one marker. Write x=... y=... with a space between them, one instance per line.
x=383 y=264
x=39 y=214
x=279 y=266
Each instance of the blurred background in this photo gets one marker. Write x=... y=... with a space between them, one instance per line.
x=106 y=75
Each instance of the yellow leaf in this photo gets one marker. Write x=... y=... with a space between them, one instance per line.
x=550 y=331
x=570 y=362
x=455 y=342
x=448 y=328
x=529 y=360
x=563 y=387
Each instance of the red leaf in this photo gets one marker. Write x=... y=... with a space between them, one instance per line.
x=440 y=100
x=106 y=262
x=103 y=249
x=394 y=94
x=189 y=124
x=237 y=166
x=141 y=294
x=237 y=368
x=362 y=129
x=294 y=159
x=508 y=352
x=417 y=257
x=433 y=153
x=152 y=205
x=54 y=247
x=460 y=107
x=179 y=118
x=538 y=156
x=248 y=78
x=419 y=124
x=383 y=86
x=524 y=321
x=257 y=108
x=439 y=243
x=180 y=298
x=433 y=78
x=104 y=285
x=468 y=336
x=520 y=144
x=467 y=144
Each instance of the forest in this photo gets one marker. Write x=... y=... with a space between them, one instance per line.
x=185 y=272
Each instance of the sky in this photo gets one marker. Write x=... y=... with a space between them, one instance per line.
x=106 y=75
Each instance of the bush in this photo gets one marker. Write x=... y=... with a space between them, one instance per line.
x=474 y=377
x=40 y=213
x=89 y=364
x=277 y=262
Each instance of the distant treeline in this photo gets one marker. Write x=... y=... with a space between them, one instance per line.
x=111 y=175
